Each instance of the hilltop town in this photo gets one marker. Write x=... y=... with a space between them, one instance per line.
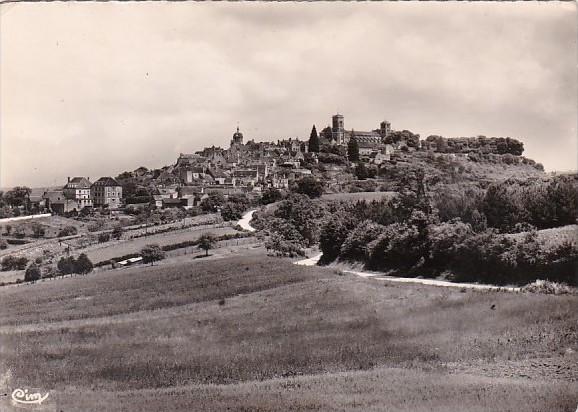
x=342 y=160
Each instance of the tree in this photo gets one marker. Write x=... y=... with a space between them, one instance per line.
x=18 y=196
x=309 y=186
x=207 y=241
x=326 y=134
x=353 y=149
x=38 y=230
x=152 y=253
x=14 y=263
x=314 y=141
x=361 y=171
x=271 y=195
x=83 y=265
x=32 y=274
x=103 y=237
x=117 y=232
x=213 y=202
x=68 y=231
x=66 y=265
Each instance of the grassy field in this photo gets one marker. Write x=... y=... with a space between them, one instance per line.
x=99 y=253
x=257 y=333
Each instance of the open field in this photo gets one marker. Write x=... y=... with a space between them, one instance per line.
x=100 y=252
x=257 y=333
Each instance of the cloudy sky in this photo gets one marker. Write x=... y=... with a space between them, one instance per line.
x=94 y=89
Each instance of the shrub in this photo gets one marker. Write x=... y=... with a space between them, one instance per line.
x=355 y=245
x=152 y=253
x=117 y=232
x=547 y=287
x=103 y=237
x=232 y=211
x=19 y=232
x=83 y=265
x=14 y=263
x=283 y=247
x=444 y=240
x=38 y=230
x=271 y=195
x=68 y=231
x=32 y=273
x=66 y=265
x=398 y=247
x=3 y=244
x=309 y=186
x=333 y=234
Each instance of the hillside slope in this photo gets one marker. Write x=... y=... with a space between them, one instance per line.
x=256 y=333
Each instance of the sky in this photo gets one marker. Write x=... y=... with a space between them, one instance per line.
x=94 y=89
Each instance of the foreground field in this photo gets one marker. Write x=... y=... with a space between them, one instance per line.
x=255 y=333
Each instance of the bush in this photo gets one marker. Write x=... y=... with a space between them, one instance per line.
x=309 y=186
x=152 y=253
x=32 y=274
x=83 y=265
x=547 y=288
x=117 y=232
x=271 y=195
x=333 y=234
x=66 y=265
x=19 y=232
x=398 y=247
x=355 y=245
x=68 y=231
x=3 y=244
x=103 y=237
x=38 y=230
x=283 y=247
x=14 y=263
x=443 y=240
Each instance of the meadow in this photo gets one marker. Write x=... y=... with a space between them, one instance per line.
x=259 y=333
x=106 y=251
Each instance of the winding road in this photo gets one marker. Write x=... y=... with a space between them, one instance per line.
x=244 y=222
x=312 y=261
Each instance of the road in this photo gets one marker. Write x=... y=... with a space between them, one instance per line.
x=244 y=222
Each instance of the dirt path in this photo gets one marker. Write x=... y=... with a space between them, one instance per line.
x=312 y=261
x=244 y=222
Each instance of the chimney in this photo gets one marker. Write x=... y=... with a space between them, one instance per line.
x=68 y=179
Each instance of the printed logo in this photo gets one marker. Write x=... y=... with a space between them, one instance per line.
x=23 y=396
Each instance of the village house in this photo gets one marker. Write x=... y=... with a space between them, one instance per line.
x=106 y=192
x=78 y=190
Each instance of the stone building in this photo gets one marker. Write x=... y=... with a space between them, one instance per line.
x=78 y=189
x=106 y=192
x=342 y=136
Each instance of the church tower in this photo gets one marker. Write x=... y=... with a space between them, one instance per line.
x=237 y=138
x=337 y=129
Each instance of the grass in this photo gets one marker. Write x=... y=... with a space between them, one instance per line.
x=99 y=253
x=257 y=333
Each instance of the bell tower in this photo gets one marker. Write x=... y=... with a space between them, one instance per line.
x=338 y=129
